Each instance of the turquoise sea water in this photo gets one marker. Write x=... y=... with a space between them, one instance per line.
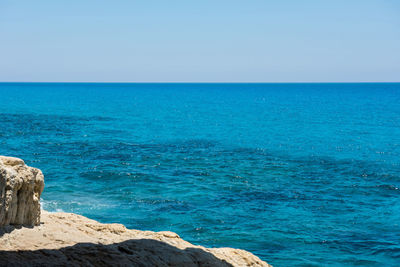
x=299 y=174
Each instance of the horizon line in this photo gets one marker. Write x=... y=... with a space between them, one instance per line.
x=194 y=82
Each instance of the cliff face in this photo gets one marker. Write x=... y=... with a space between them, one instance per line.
x=20 y=189
x=65 y=239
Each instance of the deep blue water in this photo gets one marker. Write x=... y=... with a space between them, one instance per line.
x=299 y=174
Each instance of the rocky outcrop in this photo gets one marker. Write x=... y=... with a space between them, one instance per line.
x=20 y=189
x=65 y=239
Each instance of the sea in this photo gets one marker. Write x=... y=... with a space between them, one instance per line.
x=300 y=174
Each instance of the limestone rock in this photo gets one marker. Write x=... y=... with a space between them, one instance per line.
x=20 y=189
x=66 y=239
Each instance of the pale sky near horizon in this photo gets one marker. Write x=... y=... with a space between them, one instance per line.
x=200 y=41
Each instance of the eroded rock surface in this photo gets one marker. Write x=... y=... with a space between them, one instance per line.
x=66 y=239
x=20 y=189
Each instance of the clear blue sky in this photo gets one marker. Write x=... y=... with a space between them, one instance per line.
x=200 y=41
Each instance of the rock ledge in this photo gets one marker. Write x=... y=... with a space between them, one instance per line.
x=66 y=239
